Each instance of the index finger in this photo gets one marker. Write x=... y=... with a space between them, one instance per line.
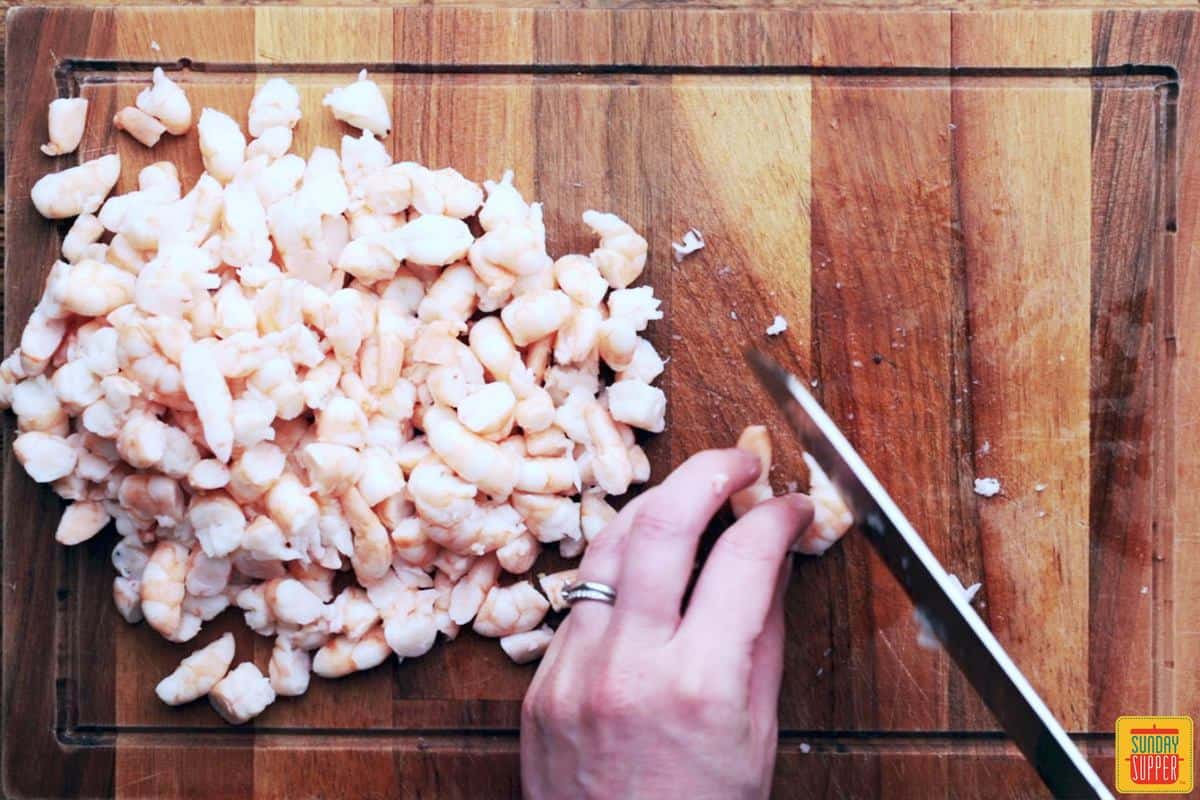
x=736 y=586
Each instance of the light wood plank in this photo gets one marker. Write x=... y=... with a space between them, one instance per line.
x=1023 y=163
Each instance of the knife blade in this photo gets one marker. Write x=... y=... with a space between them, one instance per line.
x=988 y=668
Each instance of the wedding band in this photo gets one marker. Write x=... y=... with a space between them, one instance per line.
x=589 y=590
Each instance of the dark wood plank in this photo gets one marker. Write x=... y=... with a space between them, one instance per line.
x=36 y=763
x=1127 y=266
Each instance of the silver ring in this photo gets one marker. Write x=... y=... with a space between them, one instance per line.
x=589 y=590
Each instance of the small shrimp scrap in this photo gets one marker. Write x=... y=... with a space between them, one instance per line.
x=295 y=368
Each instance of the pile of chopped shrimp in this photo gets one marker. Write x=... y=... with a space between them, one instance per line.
x=298 y=369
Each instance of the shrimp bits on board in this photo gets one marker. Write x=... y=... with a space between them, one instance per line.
x=299 y=367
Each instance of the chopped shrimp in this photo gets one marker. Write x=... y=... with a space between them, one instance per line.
x=431 y=240
x=549 y=517
x=474 y=458
x=372 y=556
x=510 y=609
x=76 y=190
x=218 y=522
x=362 y=105
x=621 y=256
x=341 y=655
x=536 y=315
x=831 y=517
x=554 y=584
x=275 y=104
x=638 y=404
x=754 y=439
x=66 y=118
x=198 y=673
x=222 y=144
x=166 y=102
x=610 y=463
x=162 y=587
x=289 y=669
x=206 y=388
x=352 y=613
x=518 y=554
x=80 y=522
x=594 y=513
x=469 y=592
x=45 y=457
x=528 y=646
x=242 y=694
x=140 y=125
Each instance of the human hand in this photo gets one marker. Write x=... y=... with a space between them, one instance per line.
x=636 y=700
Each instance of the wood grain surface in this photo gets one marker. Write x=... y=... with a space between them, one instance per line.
x=981 y=229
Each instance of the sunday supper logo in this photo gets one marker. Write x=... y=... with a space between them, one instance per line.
x=1154 y=755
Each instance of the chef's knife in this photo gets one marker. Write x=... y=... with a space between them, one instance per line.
x=995 y=677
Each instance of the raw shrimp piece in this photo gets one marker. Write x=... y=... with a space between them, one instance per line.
x=219 y=523
x=549 y=443
x=577 y=338
x=324 y=187
x=126 y=597
x=274 y=143
x=36 y=405
x=341 y=656
x=76 y=190
x=528 y=646
x=451 y=297
x=242 y=694
x=264 y=542
x=638 y=404
x=85 y=230
x=244 y=236
x=80 y=522
x=639 y=306
x=365 y=156
x=342 y=421
x=275 y=104
x=140 y=125
x=362 y=105
x=277 y=380
x=222 y=144
x=549 y=517
x=510 y=609
x=255 y=471
x=489 y=410
x=412 y=634
x=291 y=506
x=76 y=386
x=289 y=669
x=142 y=440
x=535 y=315
x=352 y=613
x=518 y=554
x=617 y=340
x=207 y=577
x=581 y=280
x=206 y=388
x=474 y=458
x=754 y=439
x=97 y=288
x=831 y=517
x=198 y=673
x=331 y=468
x=372 y=555
x=469 y=592
x=431 y=240
x=45 y=457
x=66 y=118
x=292 y=602
x=594 y=513
x=556 y=475
x=381 y=476
x=621 y=256
x=166 y=102
x=610 y=463
x=162 y=587
x=645 y=366
x=554 y=584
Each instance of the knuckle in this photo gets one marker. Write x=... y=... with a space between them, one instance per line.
x=551 y=702
x=612 y=697
x=656 y=522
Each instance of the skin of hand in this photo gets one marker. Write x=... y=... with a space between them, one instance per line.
x=638 y=700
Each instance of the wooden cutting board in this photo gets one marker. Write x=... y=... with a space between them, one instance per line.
x=981 y=228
